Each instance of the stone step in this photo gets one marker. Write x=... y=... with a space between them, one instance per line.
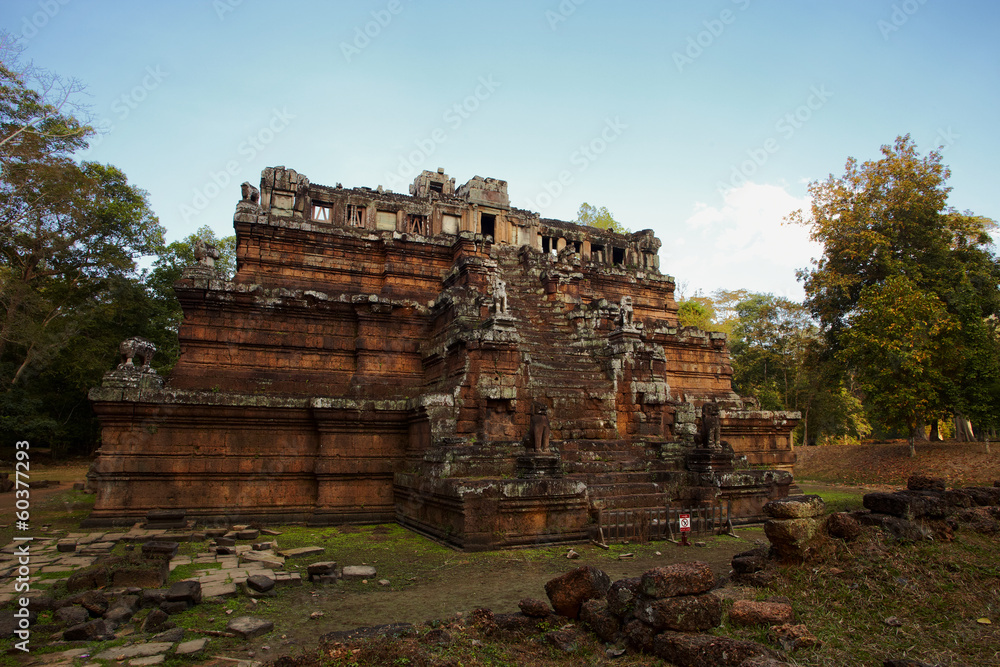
x=591 y=445
x=602 y=479
x=624 y=489
x=573 y=467
x=645 y=500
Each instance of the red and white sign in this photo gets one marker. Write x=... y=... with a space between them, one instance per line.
x=685 y=523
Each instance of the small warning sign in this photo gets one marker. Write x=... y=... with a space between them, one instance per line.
x=685 y=523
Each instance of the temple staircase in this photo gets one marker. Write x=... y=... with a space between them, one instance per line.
x=562 y=371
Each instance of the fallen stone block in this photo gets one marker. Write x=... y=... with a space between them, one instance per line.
x=173 y=635
x=984 y=495
x=287 y=579
x=72 y=615
x=750 y=612
x=569 y=591
x=639 y=636
x=692 y=650
x=899 y=528
x=187 y=591
x=260 y=583
x=684 y=613
x=89 y=631
x=262 y=558
x=918 y=482
x=301 y=551
x=154 y=620
x=160 y=549
x=353 y=572
x=218 y=590
x=66 y=546
x=322 y=567
x=795 y=507
x=134 y=651
x=191 y=647
x=843 y=525
x=152 y=597
x=249 y=627
x=892 y=504
x=534 y=608
x=605 y=625
x=790 y=538
x=678 y=579
x=568 y=640
x=248 y=534
x=792 y=637
x=622 y=596
x=175 y=606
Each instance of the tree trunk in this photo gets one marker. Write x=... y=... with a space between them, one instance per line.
x=921 y=434
x=913 y=446
x=963 y=429
x=935 y=433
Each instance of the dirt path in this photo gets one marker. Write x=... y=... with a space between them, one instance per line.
x=499 y=583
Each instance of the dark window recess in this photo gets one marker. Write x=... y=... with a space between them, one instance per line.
x=578 y=246
x=597 y=253
x=545 y=245
x=488 y=222
x=437 y=187
x=618 y=255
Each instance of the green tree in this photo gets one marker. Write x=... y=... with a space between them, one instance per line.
x=695 y=313
x=897 y=340
x=888 y=219
x=600 y=218
x=72 y=233
x=779 y=357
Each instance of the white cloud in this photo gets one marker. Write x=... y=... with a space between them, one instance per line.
x=744 y=243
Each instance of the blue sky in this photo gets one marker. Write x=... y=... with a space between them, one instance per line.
x=703 y=121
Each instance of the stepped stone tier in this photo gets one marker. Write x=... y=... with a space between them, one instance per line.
x=440 y=359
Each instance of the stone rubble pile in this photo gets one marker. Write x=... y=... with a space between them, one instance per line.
x=664 y=612
x=111 y=596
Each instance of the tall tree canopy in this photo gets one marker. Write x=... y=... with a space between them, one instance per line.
x=71 y=236
x=890 y=239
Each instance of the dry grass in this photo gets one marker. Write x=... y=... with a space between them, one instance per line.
x=876 y=464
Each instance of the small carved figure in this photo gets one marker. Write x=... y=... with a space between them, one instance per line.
x=711 y=426
x=250 y=193
x=625 y=312
x=499 y=296
x=136 y=353
x=538 y=430
x=205 y=253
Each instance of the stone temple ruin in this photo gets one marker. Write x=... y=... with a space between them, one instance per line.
x=440 y=359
